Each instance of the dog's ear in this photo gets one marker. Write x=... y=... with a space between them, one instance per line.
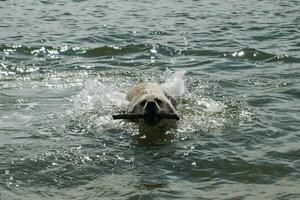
x=172 y=99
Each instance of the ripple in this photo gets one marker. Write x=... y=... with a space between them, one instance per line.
x=114 y=50
x=150 y=51
x=260 y=56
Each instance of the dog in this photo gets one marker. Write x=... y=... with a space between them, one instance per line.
x=151 y=100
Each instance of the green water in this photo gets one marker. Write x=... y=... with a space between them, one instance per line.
x=65 y=67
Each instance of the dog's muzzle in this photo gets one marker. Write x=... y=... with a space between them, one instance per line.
x=151 y=110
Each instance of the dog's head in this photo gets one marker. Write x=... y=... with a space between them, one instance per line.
x=152 y=105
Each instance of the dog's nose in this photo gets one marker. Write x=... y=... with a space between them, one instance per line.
x=151 y=107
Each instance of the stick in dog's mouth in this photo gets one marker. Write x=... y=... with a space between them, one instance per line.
x=146 y=116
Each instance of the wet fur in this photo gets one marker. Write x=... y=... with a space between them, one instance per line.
x=144 y=92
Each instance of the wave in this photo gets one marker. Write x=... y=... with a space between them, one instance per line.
x=114 y=50
x=255 y=55
x=146 y=49
x=74 y=51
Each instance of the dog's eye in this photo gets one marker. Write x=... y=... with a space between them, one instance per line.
x=143 y=103
x=158 y=101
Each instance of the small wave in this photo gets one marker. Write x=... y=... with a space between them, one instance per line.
x=67 y=50
x=253 y=54
x=50 y=51
x=116 y=50
x=152 y=50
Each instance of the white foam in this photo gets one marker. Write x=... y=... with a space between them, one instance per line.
x=210 y=106
x=99 y=97
x=175 y=84
x=94 y=106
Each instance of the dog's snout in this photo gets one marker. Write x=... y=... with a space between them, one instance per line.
x=151 y=107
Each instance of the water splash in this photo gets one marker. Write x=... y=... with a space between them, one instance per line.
x=104 y=95
x=99 y=96
x=199 y=111
x=94 y=105
x=175 y=84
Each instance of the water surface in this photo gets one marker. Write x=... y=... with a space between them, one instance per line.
x=66 y=66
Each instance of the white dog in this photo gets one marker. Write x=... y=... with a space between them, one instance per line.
x=150 y=99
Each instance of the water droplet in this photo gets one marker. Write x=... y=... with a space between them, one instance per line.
x=143 y=137
x=241 y=53
x=186 y=153
x=153 y=51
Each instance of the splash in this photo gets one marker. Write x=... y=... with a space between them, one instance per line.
x=199 y=111
x=175 y=84
x=103 y=95
x=98 y=96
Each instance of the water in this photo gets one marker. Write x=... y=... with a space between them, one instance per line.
x=66 y=66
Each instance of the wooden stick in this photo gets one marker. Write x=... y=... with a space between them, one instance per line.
x=143 y=116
